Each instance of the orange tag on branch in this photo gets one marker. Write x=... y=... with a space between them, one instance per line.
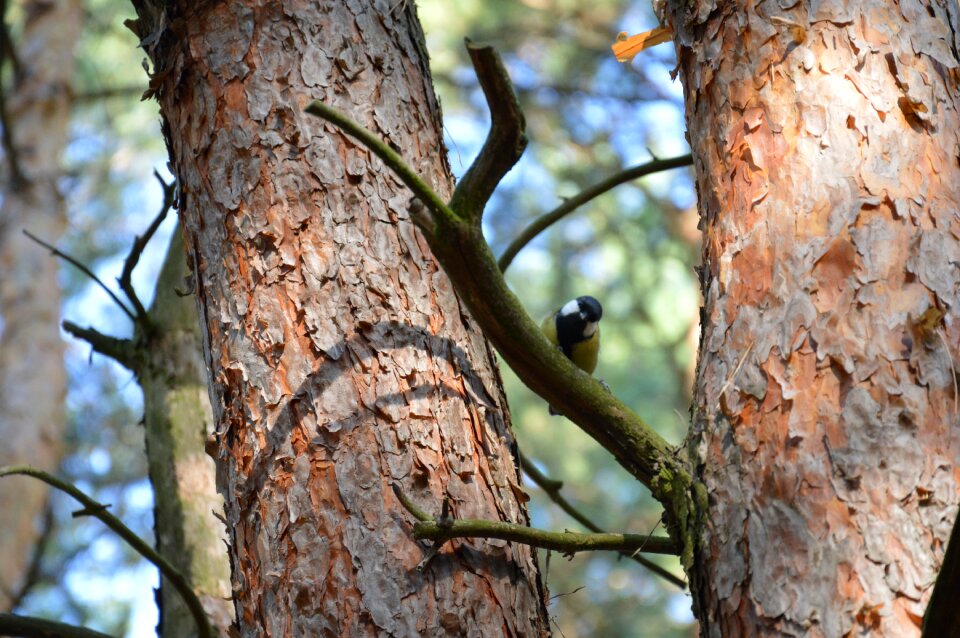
x=625 y=48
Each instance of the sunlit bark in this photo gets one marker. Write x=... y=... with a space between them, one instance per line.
x=826 y=144
x=340 y=358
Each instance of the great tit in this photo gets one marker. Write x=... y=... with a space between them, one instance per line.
x=575 y=329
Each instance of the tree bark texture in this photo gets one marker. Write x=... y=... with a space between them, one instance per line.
x=341 y=361
x=32 y=376
x=826 y=137
x=178 y=420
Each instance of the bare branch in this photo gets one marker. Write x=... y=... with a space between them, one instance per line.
x=82 y=268
x=136 y=250
x=552 y=487
x=505 y=142
x=99 y=511
x=34 y=573
x=546 y=220
x=123 y=351
x=31 y=627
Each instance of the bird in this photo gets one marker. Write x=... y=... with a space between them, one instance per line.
x=574 y=328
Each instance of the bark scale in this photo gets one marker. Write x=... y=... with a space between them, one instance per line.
x=826 y=139
x=341 y=361
x=32 y=377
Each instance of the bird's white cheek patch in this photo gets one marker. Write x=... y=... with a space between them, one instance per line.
x=589 y=329
x=570 y=308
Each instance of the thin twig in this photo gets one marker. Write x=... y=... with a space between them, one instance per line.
x=79 y=266
x=34 y=572
x=109 y=92
x=546 y=220
x=31 y=627
x=565 y=542
x=551 y=488
x=136 y=250
x=953 y=370
x=391 y=158
x=733 y=375
x=95 y=509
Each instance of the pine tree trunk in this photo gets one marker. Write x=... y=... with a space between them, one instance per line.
x=32 y=377
x=341 y=361
x=826 y=139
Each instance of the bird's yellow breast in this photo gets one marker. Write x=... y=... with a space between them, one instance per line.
x=583 y=354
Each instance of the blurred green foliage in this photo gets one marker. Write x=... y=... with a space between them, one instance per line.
x=588 y=117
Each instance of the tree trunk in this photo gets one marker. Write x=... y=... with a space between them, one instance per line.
x=32 y=376
x=177 y=420
x=341 y=361
x=826 y=140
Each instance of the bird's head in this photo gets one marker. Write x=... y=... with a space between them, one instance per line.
x=580 y=316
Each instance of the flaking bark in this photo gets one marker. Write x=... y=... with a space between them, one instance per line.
x=825 y=137
x=340 y=358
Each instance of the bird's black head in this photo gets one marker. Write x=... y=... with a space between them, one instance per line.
x=577 y=321
x=590 y=308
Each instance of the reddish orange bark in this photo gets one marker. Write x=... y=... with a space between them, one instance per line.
x=341 y=361
x=826 y=138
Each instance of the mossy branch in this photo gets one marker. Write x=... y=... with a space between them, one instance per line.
x=443 y=529
x=99 y=511
x=505 y=142
x=551 y=487
x=457 y=242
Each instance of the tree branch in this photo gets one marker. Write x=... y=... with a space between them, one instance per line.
x=552 y=487
x=34 y=572
x=546 y=220
x=443 y=529
x=79 y=266
x=31 y=627
x=99 y=511
x=136 y=250
x=391 y=158
x=505 y=142
x=123 y=351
